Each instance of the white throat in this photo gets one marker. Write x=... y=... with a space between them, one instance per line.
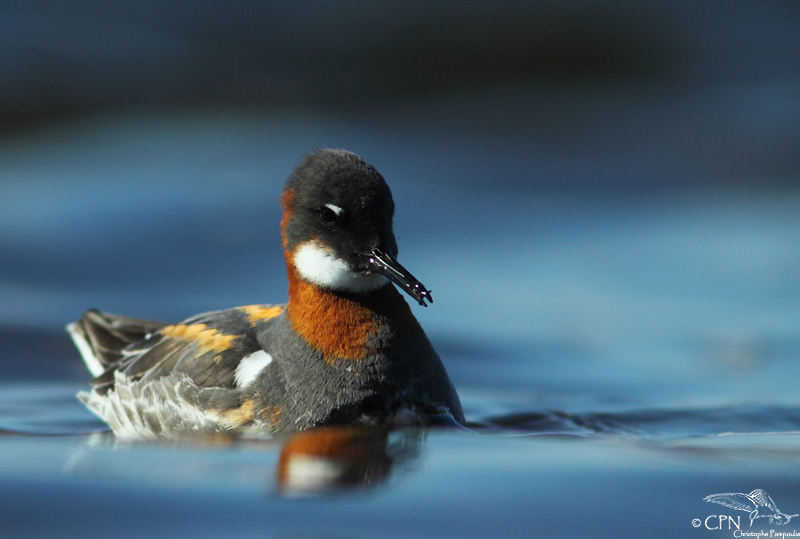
x=322 y=268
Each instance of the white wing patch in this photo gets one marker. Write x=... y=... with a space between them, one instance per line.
x=92 y=363
x=250 y=367
x=322 y=268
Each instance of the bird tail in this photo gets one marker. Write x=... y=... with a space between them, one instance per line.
x=100 y=337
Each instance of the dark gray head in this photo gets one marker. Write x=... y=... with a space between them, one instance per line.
x=337 y=225
x=336 y=197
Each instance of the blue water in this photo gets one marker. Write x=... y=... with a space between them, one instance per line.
x=621 y=353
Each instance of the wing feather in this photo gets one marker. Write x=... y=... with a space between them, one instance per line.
x=146 y=359
x=738 y=501
x=207 y=347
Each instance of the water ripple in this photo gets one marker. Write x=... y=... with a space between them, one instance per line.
x=52 y=409
x=44 y=409
x=649 y=424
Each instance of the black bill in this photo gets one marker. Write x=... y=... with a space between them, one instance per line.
x=384 y=263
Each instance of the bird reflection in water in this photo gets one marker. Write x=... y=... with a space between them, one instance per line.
x=320 y=461
x=329 y=459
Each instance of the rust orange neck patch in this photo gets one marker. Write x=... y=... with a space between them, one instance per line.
x=287 y=203
x=336 y=326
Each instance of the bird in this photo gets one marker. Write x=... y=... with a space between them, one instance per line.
x=758 y=503
x=345 y=349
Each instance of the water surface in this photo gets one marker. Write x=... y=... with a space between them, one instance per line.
x=620 y=355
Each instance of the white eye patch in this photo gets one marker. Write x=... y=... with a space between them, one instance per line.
x=334 y=208
x=318 y=266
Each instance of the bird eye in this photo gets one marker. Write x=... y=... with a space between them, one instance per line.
x=327 y=216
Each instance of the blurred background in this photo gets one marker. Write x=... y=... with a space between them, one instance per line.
x=604 y=190
x=560 y=94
